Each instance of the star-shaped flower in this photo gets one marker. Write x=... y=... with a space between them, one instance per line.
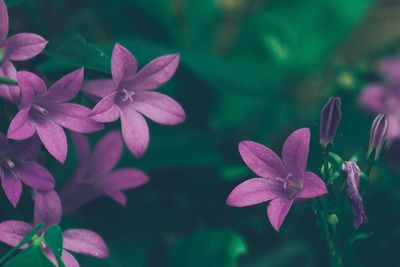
x=45 y=112
x=96 y=176
x=281 y=182
x=48 y=211
x=17 y=166
x=18 y=47
x=128 y=96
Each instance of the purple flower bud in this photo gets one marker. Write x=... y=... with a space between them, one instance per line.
x=377 y=136
x=330 y=118
x=353 y=187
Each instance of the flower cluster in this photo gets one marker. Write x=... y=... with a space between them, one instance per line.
x=44 y=115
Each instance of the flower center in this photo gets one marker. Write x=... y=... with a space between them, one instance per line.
x=7 y=162
x=291 y=185
x=39 y=109
x=127 y=95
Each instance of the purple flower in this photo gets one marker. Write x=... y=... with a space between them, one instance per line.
x=127 y=96
x=281 y=182
x=353 y=187
x=377 y=136
x=45 y=112
x=379 y=98
x=96 y=176
x=17 y=166
x=48 y=211
x=330 y=118
x=18 y=47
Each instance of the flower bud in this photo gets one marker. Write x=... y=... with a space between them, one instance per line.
x=330 y=119
x=377 y=136
x=353 y=188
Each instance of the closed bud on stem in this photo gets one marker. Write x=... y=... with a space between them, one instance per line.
x=377 y=136
x=330 y=119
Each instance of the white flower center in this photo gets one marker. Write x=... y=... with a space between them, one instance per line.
x=127 y=95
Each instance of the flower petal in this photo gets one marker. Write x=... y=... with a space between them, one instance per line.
x=3 y=21
x=23 y=46
x=53 y=138
x=254 y=191
x=12 y=186
x=27 y=149
x=97 y=89
x=82 y=146
x=277 y=211
x=21 y=127
x=123 y=64
x=372 y=98
x=47 y=207
x=73 y=117
x=313 y=186
x=12 y=232
x=134 y=131
x=295 y=150
x=154 y=74
x=261 y=160
x=34 y=175
x=85 y=242
x=159 y=107
x=9 y=92
x=30 y=85
x=75 y=195
x=117 y=196
x=107 y=153
x=105 y=110
x=69 y=260
x=394 y=126
x=123 y=179
x=67 y=87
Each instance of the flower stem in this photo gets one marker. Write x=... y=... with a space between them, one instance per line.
x=7 y=81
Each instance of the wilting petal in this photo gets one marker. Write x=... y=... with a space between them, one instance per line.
x=74 y=117
x=159 y=107
x=67 y=87
x=53 y=138
x=373 y=98
x=31 y=85
x=261 y=160
x=12 y=187
x=82 y=146
x=47 y=207
x=105 y=110
x=295 y=150
x=97 y=89
x=313 y=186
x=123 y=179
x=23 y=46
x=154 y=74
x=21 y=127
x=68 y=259
x=134 y=131
x=85 y=242
x=123 y=64
x=254 y=191
x=34 y=175
x=12 y=232
x=3 y=21
x=9 y=92
x=277 y=211
x=107 y=153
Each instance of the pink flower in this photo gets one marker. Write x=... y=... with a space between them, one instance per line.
x=127 y=96
x=281 y=182
x=18 y=47
x=96 y=176
x=46 y=112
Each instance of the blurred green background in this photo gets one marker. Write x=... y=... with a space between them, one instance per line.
x=250 y=69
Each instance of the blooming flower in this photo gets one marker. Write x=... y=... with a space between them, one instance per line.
x=127 y=96
x=330 y=118
x=281 y=182
x=48 y=211
x=377 y=136
x=18 y=47
x=17 y=166
x=385 y=98
x=45 y=112
x=353 y=187
x=95 y=176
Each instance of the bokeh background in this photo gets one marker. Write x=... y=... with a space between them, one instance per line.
x=250 y=69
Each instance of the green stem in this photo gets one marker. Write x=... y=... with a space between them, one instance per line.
x=8 y=81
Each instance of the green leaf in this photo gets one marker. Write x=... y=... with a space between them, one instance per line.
x=5 y=80
x=211 y=248
x=11 y=3
x=360 y=236
x=77 y=51
x=54 y=240
x=32 y=256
